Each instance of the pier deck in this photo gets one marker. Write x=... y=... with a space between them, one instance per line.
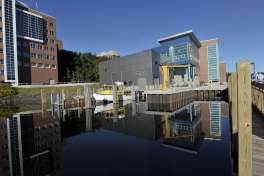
x=258 y=144
x=184 y=89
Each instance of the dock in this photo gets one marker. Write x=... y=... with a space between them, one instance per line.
x=258 y=128
x=247 y=123
x=176 y=98
x=258 y=144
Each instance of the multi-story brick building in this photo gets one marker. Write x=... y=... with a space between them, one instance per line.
x=28 y=45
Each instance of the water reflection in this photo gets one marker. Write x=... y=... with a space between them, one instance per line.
x=32 y=142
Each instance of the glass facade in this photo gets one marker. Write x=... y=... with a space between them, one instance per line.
x=180 y=50
x=215 y=119
x=10 y=40
x=29 y=25
x=213 y=63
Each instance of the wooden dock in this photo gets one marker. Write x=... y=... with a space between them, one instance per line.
x=258 y=144
x=247 y=123
x=173 y=99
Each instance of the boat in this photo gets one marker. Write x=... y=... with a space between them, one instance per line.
x=105 y=94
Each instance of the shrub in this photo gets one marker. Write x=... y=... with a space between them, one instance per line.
x=6 y=90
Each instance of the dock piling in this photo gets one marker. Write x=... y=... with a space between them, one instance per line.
x=244 y=118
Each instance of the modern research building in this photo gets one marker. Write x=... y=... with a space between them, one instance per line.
x=28 y=45
x=190 y=61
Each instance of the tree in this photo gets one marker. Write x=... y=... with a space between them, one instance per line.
x=6 y=90
x=78 y=67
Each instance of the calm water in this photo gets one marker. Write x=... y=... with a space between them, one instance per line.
x=124 y=140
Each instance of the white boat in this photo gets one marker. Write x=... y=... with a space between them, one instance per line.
x=109 y=98
x=106 y=94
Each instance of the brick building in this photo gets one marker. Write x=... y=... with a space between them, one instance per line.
x=28 y=45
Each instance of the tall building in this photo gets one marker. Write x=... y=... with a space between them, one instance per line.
x=209 y=62
x=28 y=45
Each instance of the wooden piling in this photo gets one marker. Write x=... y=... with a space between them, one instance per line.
x=234 y=102
x=244 y=118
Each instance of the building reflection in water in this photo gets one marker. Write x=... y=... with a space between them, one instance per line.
x=31 y=143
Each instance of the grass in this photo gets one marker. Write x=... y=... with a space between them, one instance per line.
x=37 y=91
x=26 y=91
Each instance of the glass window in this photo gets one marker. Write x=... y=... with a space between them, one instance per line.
x=2 y=72
x=34 y=64
x=30 y=25
x=213 y=63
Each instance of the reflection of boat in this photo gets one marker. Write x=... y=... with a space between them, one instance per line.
x=105 y=94
x=108 y=107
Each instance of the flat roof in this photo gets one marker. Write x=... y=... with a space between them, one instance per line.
x=182 y=34
x=213 y=39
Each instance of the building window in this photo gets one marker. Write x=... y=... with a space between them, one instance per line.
x=40 y=65
x=34 y=64
x=33 y=55
x=53 y=66
x=1 y=40
x=1 y=50
x=32 y=45
x=1 y=61
x=39 y=56
x=2 y=72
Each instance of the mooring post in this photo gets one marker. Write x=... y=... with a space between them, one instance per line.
x=43 y=99
x=234 y=102
x=244 y=118
x=115 y=94
x=88 y=94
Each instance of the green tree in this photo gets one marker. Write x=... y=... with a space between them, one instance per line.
x=6 y=90
x=81 y=67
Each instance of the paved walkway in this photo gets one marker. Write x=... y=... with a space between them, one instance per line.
x=258 y=144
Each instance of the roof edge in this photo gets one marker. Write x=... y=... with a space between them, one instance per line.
x=189 y=32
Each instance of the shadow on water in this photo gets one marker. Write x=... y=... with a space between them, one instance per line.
x=122 y=139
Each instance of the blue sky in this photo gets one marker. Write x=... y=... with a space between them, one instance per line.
x=129 y=26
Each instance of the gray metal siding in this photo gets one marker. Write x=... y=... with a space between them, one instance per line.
x=129 y=68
